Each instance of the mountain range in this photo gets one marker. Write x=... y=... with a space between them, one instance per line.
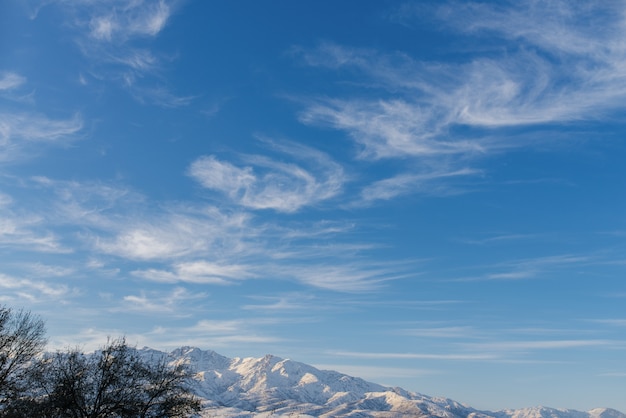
x=274 y=387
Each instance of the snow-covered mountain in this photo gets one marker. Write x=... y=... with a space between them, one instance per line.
x=275 y=387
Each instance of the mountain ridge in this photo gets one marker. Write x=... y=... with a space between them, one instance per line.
x=271 y=386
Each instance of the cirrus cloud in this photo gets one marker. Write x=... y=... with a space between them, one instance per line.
x=269 y=184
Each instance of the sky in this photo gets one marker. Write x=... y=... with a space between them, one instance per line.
x=425 y=194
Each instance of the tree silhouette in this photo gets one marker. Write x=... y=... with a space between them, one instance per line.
x=114 y=382
x=117 y=381
x=22 y=337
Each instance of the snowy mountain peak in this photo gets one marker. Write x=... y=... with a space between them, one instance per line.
x=272 y=386
x=201 y=359
x=605 y=413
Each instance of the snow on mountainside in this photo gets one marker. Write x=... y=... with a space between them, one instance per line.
x=275 y=387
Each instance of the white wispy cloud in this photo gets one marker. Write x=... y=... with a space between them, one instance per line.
x=572 y=27
x=20 y=237
x=583 y=77
x=334 y=273
x=160 y=96
x=23 y=131
x=390 y=128
x=553 y=65
x=88 y=203
x=28 y=231
x=174 y=234
x=5 y=200
x=422 y=102
x=286 y=302
x=421 y=356
x=113 y=35
x=618 y=322
x=149 y=242
x=114 y=219
x=183 y=242
x=440 y=332
x=109 y=218
x=409 y=304
x=212 y=333
x=221 y=175
x=198 y=272
x=345 y=277
x=402 y=184
x=504 y=346
x=37 y=128
x=121 y=20
x=532 y=267
x=10 y=80
x=376 y=373
x=140 y=60
x=613 y=374
x=25 y=289
x=492 y=351
x=234 y=334
x=47 y=270
x=500 y=238
x=156 y=303
x=269 y=184
x=177 y=243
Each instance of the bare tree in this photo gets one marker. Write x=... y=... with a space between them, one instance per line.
x=114 y=382
x=22 y=337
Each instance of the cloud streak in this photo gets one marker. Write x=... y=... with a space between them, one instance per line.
x=515 y=346
x=198 y=272
x=113 y=35
x=10 y=80
x=31 y=290
x=172 y=235
x=128 y=20
x=345 y=277
x=434 y=183
x=419 y=356
x=269 y=184
x=152 y=303
x=26 y=230
x=583 y=76
x=183 y=243
x=211 y=333
x=22 y=131
x=446 y=116
x=532 y=268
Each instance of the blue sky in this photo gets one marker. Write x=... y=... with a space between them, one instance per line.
x=424 y=194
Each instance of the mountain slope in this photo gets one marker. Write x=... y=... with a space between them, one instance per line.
x=271 y=386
